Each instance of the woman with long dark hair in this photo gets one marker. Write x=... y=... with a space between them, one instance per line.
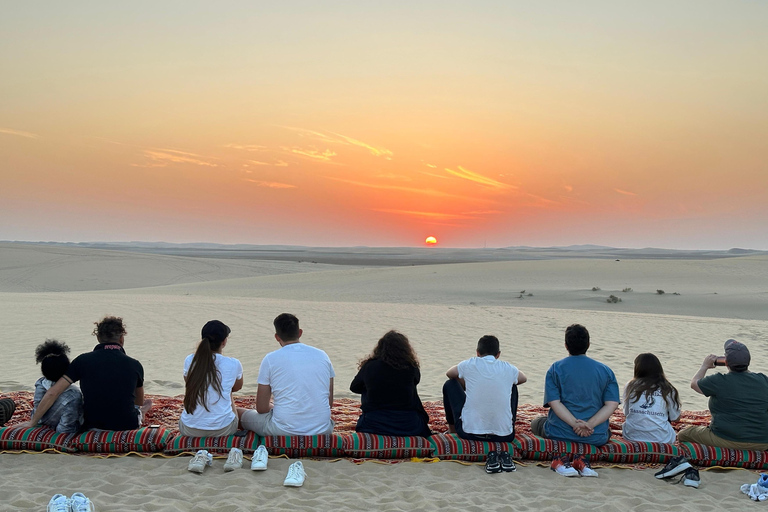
x=651 y=402
x=211 y=377
x=387 y=381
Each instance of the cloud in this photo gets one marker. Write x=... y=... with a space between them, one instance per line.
x=279 y=163
x=624 y=192
x=478 y=178
x=425 y=191
x=320 y=156
x=431 y=166
x=247 y=147
x=434 y=175
x=270 y=184
x=374 y=150
x=568 y=188
x=428 y=215
x=337 y=138
x=19 y=133
x=179 y=157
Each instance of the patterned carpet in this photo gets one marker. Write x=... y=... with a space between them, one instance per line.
x=166 y=410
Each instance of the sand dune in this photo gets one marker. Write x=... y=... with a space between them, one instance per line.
x=165 y=299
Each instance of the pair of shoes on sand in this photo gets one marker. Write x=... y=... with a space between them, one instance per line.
x=496 y=462
x=579 y=467
x=203 y=459
x=77 y=503
x=679 y=465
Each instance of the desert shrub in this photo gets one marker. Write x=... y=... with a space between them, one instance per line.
x=625 y=290
x=660 y=292
x=612 y=299
x=675 y=293
x=595 y=288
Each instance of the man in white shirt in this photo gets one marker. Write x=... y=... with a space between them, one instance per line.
x=480 y=396
x=295 y=392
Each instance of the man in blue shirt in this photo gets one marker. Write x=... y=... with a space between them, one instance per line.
x=581 y=394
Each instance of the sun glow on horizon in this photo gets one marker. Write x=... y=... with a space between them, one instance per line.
x=430 y=241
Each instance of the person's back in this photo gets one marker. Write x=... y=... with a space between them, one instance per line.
x=480 y=396
x=298 y=375
x=108 y=379
x=738 y=402
x=295 y=389
x=488 y=383
x=651 y=402
x=66 y=413
x=581 y=394
x=387 y=381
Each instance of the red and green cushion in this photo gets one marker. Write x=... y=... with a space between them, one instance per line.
x=216 y=445
x=371 y=446
x=539 y=448
x=305 y=446
x=447 y=446
x=35 y=439
x=145 y=439
x=703 y=455
x=631 y=452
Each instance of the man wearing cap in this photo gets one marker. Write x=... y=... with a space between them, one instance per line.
x=738 y=402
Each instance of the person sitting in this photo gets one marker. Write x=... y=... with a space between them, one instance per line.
x=211 y=378
x=112 y=383
x=480 y=396
x=581 y=394
x=66 y=413
x=299 y=379
x=387 y=381
x=738 y=402
x=7 y=406
x=651 y=402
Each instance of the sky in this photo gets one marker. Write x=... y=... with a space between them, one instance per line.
x=329 y=123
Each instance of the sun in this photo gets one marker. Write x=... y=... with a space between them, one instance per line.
x=430 y=240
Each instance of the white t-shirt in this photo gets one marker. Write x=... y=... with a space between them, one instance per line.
x=299 y=376
x=219 y=413
x=488 y=384
x=648 y=418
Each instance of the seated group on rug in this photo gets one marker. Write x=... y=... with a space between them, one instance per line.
x=295 y=392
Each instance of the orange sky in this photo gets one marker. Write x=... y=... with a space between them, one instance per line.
x=337 y=123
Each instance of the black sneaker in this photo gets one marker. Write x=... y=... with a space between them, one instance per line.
x=492 y=464
x=674 y=467
x=691 y=478
x=507 y=464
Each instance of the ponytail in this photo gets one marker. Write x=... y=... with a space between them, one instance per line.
x=202 y=374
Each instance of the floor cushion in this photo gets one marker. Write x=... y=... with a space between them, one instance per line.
x=35 y=439
x=305 y=446
x=540 y=448
x=372 y=446
x=216 y=445
x=703 y=455
x=448 y=446
x=144 y=439
x=631 y=452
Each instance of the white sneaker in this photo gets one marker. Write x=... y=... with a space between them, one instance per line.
x=201 y=459
x=59 y=503
x=260 y=458
x=79 y=503
x=296 y=475
x=234 y=460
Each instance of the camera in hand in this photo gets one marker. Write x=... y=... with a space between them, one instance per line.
x=720 y=361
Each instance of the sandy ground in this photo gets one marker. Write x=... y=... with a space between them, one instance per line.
x=59 y=292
